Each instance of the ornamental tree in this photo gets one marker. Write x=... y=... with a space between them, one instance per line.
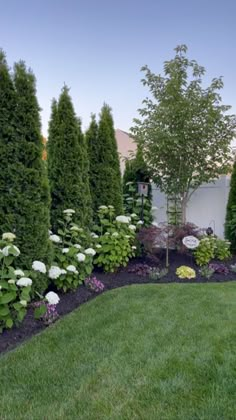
x=184 y=129
x=230 y=220
x=107 y=175
x=67 y=163
x=24 y=198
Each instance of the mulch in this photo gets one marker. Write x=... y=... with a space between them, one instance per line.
x=10 y=339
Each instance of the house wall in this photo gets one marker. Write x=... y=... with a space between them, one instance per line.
x=207 y=206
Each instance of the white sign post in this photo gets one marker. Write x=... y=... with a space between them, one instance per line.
x=191 y=242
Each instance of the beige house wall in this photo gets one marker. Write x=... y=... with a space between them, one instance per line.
x=125 y=146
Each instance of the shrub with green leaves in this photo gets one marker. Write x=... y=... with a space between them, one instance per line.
x=115 y=245
x=211 y=247
x=73 y=254
x=15 y=288
x=133 y=204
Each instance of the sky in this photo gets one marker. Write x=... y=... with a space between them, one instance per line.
x=97 y=48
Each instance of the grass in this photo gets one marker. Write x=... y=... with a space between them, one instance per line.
x=140 y=352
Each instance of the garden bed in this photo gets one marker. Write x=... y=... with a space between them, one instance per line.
x=123 y=277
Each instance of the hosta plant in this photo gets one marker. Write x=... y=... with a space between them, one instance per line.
x=206 y=271
x=211 y=247
x=185 y=272
x=15 y=287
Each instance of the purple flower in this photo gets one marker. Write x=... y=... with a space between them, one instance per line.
x=94 y=284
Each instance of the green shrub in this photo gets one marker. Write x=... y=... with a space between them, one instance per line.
x=211 y=247
x=15 y=288
x=115 y=245
x=222 y=249
x=185 y=272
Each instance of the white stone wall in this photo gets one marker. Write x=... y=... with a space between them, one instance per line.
x=207 y=206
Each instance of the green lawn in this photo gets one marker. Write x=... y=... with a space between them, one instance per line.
x=139 y=352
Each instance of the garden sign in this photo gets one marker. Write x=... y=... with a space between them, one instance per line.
x=191 y=242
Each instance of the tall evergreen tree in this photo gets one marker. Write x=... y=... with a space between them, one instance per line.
x=230 y=220
x=93 y=154
x=24 y=204
x=108 y=181
x=67 y=163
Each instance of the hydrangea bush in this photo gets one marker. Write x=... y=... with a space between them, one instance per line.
x=15 y=286
x=116 y=242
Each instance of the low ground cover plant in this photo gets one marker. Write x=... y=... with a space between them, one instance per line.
x=185 y=272
x=157 y=273
x=92 y=283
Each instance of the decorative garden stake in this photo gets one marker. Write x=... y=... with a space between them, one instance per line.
x=191 y=242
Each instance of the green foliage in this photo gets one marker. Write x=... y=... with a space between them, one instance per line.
x=230 y=221
x=115 y=245
x=211 y=247
x=105 y=176
x=24 y=198
x=13 y=298
x=67 y=163
x=206 y=271
x=185 y=131
x=185 y=272
x=133 y=205
x=72 y=259
x=157 y=273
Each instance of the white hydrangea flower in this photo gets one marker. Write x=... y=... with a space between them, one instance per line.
x=24 y=282
x=129 y=199
x=63 y=271
x=54 y=272
x=132 y=227
x=107 y=233
x=69 y=211
x=50 y=232
x=115 y=234
x=140 y=222
x=76 y=228
x=133 y=215
x=111 y=207
x=39 y=266
x=65 y=250
x=11 y=281
x=23 y=303
x=72 y=269
x=127 y=236
x=0 y=287
x=7 y=250
x=52 y=298
x=102 y=207
x=55 y=238
x=123 y=219
x=90 y=251
x=8 y=236
x=78 y=246
x=98 y=246
x=134 y=247
x=80 y=257
x=94 y=235
x=19 y=273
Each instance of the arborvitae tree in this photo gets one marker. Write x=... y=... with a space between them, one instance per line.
x=66 y=162
x=230 y=221
x=108 y=183
x=24 y=203
x=87 y=200
x=93 y=154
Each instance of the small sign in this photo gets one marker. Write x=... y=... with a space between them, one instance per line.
x=191 y=242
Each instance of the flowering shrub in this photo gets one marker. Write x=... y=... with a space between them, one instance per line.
x=73 y=257
x=185 y=272
x=46 y=308
x=94 y=284
x=116 y=240
x=15 y=287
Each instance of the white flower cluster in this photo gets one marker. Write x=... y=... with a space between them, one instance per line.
x=132 y=227
x=94 y=235
x=10 y=250
x=102 y=207
x=80 y=257
x=140 y=222
x=19 y=273
x=65 y=250
x=52 y=298
x=8 y=236
x=72 y=269
x=54 y=272
x=78 y=246
x=24 y=282
x=123 y=219
x=55 y=238
x=90 y=251
x=39 y=266
x=69 y=211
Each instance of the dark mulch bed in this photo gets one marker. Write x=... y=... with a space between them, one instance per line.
x=10 y=339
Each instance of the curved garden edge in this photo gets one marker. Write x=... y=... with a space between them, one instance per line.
x=69 y=301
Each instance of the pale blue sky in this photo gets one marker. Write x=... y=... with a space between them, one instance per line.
x=98 y=47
